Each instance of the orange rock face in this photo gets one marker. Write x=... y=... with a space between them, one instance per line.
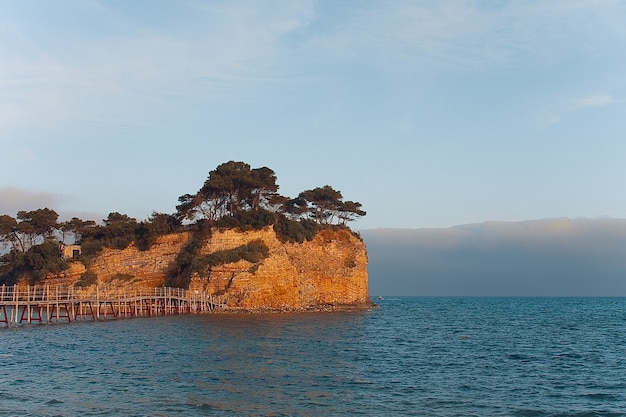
x=329 y=271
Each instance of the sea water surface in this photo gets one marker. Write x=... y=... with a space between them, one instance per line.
x=409 y=357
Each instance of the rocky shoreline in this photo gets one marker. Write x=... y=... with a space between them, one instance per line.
x=329 y=308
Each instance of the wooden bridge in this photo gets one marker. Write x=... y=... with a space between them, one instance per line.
x=46 y=304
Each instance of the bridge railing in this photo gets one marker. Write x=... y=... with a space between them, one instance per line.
x=44 y=293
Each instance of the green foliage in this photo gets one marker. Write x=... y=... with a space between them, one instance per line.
x=157 y=225
x=348 y=211
x=43 y=259
x=234 y=195
x=247 y=220
x=289 y=230
x=122 y=277
x=253 y=252
x=87 y=279
x=29 y=229
x=181 y=271
x=117 y=232
x=89 y=251
x=325 y=205
x=189 y=260
x=38 y=261
x=230 y=188
x=75 y=227
x=9 y=269
x=42 y=221
x=8 y=229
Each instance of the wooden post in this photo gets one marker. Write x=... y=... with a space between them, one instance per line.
x=4 y=309
x=27 y=304
x=17 y=301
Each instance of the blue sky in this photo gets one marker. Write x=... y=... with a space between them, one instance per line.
x=431 y=114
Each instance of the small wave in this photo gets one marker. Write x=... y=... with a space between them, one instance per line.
x=602 y=396
x=571 y=355
x=529 y=413
x=520 y=357
x=591 y=414
x=54 y=401
x=206 y=407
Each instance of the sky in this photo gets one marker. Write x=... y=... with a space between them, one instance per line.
x=430 y=114
x=484 y=138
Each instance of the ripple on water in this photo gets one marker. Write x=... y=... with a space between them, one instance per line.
x=412 y=356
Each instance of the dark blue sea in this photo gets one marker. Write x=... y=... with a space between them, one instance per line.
x=525 y=357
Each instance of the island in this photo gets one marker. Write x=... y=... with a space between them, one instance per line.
x=236 y=238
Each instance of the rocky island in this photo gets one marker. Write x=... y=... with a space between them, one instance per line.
x=236 y=238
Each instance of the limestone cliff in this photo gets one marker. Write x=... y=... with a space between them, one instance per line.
x=329 y=271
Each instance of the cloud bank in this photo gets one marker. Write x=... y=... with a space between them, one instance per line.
x=14 y=199
x=550 y=257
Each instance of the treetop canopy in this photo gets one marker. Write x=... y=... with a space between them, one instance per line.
x=234 y=187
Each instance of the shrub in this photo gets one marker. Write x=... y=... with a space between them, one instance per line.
x=180 y=273
x=87 y=279
x=159 y=224
x=247 y=220
x=289 y=230
x=89 y=250
x=122 y=277
x=36 y=263
x=189 y=260
x=253 y=252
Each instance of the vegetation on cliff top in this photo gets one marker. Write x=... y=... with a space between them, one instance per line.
x=234 y=196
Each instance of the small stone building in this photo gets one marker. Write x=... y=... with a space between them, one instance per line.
x=69 y=251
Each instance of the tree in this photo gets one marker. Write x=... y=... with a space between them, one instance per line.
x=296 y=208
x=43 y=221
x=117 y=232
x=349 y=211
x=156 y=225
x=29 y=229
x=76 y=227
x=230 y=188
x=36 y=262
x=324 y=205
x=43 y=259
x=263 y=189
x=320 y=204
x=9 y=233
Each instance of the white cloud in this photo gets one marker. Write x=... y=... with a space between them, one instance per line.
x=580 y=104
x=140 y=69
x=78 y=76
x=468 y=35
x=13 y=199
x=595 y=101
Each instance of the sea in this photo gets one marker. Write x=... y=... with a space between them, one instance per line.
x=410 y=356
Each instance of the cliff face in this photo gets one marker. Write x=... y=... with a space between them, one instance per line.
x=330 y=270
